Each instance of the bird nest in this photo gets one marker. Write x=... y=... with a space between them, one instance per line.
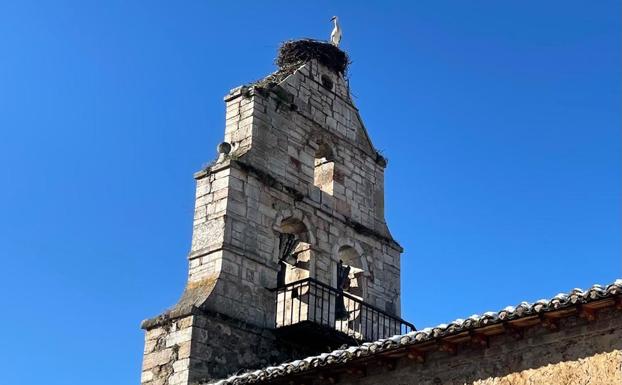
x=298 y=51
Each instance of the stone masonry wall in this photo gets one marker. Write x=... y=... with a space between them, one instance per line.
x=166 y=357
x=200 y=347
x=269 y=176
x=581 y=352
x=247 y=199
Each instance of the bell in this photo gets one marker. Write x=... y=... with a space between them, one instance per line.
x=341 y=313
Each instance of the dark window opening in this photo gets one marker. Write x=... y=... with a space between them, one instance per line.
x=327 y=82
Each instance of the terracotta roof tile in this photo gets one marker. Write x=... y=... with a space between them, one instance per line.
x=524 y=309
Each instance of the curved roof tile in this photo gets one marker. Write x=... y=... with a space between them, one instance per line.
x=524 y=309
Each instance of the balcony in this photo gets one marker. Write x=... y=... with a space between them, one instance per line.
x=311 y=312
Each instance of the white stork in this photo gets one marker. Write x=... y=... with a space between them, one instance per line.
x=335 y=36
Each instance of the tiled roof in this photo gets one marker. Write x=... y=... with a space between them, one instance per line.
x=524 y=309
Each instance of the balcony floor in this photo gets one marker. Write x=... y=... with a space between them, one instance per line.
x=316 y=336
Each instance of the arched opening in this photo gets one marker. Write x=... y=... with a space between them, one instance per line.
x=294 y=251
x=351 y=260
x=351 y=288
x=327 y=82
x=324 y=168
x=294 y=265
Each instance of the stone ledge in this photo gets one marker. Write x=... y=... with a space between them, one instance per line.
x=212 y=168
x=194 y=295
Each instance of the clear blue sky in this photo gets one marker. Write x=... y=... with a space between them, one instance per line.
x=501 y=122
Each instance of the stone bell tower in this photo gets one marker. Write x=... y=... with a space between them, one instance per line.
x=290 y=251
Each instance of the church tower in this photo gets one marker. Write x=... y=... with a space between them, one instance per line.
x=291 y=254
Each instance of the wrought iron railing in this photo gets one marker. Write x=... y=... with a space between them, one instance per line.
x=311 y=301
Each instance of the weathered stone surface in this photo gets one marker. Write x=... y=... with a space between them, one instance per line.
x=580 y=352
x=599 y=369
x=223 y=346
x=166 y=361
x=300 y=163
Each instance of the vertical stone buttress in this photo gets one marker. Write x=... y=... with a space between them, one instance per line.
x=301 y=163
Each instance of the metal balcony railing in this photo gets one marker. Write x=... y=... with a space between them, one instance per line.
x=310 y=301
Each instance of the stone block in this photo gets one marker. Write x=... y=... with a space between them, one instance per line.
x=177 y=337
x=157 y=358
